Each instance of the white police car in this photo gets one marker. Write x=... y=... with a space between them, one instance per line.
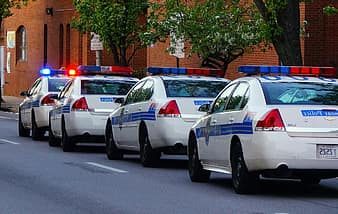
x=158 y=112
x=39 y=99
x=283 y=126
x=82 y=107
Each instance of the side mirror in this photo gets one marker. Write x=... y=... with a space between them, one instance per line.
x=119 y=100
x=204 y=107
x=24 y=93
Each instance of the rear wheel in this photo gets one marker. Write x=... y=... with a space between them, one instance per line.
x=23 y=132
x=148 y=156
x=196 y=171
x=113 y=153
x=67 y=143
x=37 y=133
x=243 y=181
x=52 y=140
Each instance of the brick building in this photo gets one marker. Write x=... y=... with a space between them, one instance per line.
x=43 y=36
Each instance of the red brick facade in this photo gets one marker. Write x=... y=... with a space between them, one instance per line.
x=53 y=42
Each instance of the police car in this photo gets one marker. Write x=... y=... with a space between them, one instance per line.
x=39 y=99
x=283 y=125
x=82 y=107
x=159 y=111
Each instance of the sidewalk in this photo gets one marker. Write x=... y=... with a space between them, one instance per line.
x=11 y=103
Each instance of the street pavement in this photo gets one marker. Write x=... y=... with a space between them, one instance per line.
x=35 y=178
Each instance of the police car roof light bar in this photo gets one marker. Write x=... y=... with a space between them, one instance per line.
x=104 y=70
x=185 y=71
x=51 y=72
x=288 y=70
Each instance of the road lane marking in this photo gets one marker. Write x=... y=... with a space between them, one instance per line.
x=7 y=118
x=107 y=167
x=8 y=141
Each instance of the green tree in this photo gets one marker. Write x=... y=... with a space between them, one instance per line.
x=118 y=22
x=218 y=31
x=282 y=18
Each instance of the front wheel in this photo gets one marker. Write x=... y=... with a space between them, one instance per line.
x=196 y=171
x=148 y=156
x=113 y=153
x=37 y=133
x=66 y=142
x=52 y=140
x=243 y=181
x=23 y=132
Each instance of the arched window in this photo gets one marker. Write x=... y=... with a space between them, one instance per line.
x=21 y=44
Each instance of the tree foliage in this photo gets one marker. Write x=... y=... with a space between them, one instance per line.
x=6 y=5
x=219 y=31
x=282 y=18
x=118 y=22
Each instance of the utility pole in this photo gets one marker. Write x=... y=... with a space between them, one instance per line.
x=2 y=71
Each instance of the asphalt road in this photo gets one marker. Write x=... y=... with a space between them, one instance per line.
x=35 y=178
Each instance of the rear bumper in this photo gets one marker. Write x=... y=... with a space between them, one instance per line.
x=271 y=151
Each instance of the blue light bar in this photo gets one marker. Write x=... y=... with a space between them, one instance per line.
x=51 y=72
x=186 y=71
x=104 y=70
x=288 y=70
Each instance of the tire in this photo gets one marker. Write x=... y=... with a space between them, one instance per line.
x=67 y=143
x=310 y=180
x=196 y=171
x=148 y=156
x=37 y=133
x=23 y=132
x=52 y=140
x=113 y=153
x=243 y=181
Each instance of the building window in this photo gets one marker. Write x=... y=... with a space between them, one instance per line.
x=61 y=46
x=21 y=44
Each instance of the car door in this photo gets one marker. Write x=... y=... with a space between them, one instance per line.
x=214 y=151
x=231 y=122
x=31 y=101
x=59 y=108
x=125 y=116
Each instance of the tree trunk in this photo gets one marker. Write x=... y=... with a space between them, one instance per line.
x=287 y=44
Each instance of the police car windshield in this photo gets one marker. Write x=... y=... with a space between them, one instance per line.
x=112 y=87
x=56 y=85
x=300 y=93
x=193 y=88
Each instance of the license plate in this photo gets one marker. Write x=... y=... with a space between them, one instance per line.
x=327 y=151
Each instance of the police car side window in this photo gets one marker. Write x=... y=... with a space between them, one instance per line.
x=34 y=88
x=222 y=99
x=236 y=99
x=132 y=96
x=146 y=91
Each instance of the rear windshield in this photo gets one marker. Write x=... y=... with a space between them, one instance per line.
x=56 y=85
x=299 y=93
x=113 y=87
x=193 y=88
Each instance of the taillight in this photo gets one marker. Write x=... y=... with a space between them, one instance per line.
x=80 y=105
x=272 y=121
x=47 y=100
x=170 y=109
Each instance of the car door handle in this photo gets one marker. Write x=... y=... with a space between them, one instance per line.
x=214 y=121
x=126 y=111
x=232 y=119
x=139 y=108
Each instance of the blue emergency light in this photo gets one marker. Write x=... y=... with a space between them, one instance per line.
x=51 y=72
x=288 y=70
x=186 y=71
x=104 y=70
